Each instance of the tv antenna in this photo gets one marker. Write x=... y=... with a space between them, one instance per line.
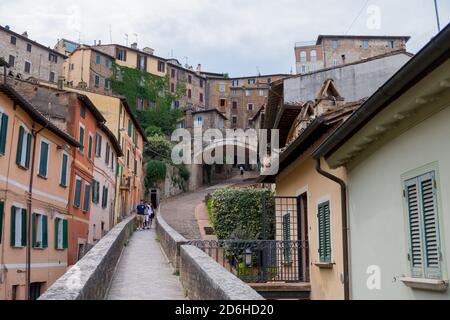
x=136 y=35
x=437 y=15
x=126 y=39
x=187 y=60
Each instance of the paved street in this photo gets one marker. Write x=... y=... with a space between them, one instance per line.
x=144 y=273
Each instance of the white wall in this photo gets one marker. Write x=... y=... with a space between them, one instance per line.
x=354 y=82
x=378 y=230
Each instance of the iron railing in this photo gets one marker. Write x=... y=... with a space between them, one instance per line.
x=259 y=261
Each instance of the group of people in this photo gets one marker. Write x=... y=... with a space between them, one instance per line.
x=145 y=215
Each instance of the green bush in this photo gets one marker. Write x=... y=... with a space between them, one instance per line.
x=155 y=171
x=237 y=213
x=184 y=172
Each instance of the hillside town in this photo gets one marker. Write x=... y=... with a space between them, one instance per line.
x=357 y=210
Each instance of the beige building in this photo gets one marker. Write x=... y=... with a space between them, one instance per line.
x=28 y=58
x=334 y=50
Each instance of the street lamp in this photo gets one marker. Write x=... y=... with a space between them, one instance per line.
x=248 y=257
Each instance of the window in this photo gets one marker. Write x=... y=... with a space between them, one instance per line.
x=234 y=92
x=107 y=84
x=61 y=234
x=161 y=66
x=11 y=61
x=391 y=44
x=64 y=166
x=23 y=148
x=250 y=121
x=181 y=124
x=107 y=63
x=3 y=131
x=222 y=87
x=18 y=227
x=334 y=44
x=189 y=93
x=247 y=93
x=173 y=73
x=135 y=168
x=201 y=97
x=95 y=191
x=313 y=55
x=251 y=81
x=72 y=66
x=87 y=197
x=52 y=57
x=97 y=81
x=235 y=83
x=2 y=214
x=27 y=67
x=105 y=197
x=128 y=158
x=261 y=93
x=121 y=55
x=189 y=79
x=324 y=221
x=199 y=122
x=81 y=138
x=130 y=128
x=98 y=145
x=303 y=56
x=108 y=153
x=176 y=104
x=29 y=47
x=222 y=102
x=142 y=63
x=365 y=44
x=52 y=77
x=250 y=107
x=172 y=87
x=201 y=83
x=423 y=226
x=43 y=159
x=97 y=59
x=335 y=62
x=287 y=236
x=39 y=227
x=234 y=120
x=13 y=40
x=83 y=111
x=90 y=146
x=77 y=197
x=235 y=104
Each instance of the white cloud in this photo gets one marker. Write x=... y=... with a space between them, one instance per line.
x=235 y=36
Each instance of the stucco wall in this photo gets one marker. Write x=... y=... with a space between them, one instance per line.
x=378 y=229
x=303 y=178
x=354 y=81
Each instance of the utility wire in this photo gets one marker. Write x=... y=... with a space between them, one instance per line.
x=357 y=17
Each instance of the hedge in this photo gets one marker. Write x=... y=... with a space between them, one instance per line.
x=237 y=213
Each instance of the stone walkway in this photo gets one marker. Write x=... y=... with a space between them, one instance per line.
x=144 y=273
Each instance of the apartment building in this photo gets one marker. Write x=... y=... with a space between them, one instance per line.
x=334 y=50
x=26 y=136
x=28 y=58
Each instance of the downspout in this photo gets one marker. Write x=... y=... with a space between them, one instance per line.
x=344 y=225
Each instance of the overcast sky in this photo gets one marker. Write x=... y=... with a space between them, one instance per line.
x=240 y=37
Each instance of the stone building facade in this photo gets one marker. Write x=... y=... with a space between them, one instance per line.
x=334 y=50
x=28 y=58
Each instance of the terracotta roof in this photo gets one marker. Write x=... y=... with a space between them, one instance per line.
x=211 y=110
x=321 y=37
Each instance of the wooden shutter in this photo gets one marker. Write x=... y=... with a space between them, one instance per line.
x=27 y=159
x=424 y=238
x=3 y=133
x=13 y=226
x=64 y=170
x=324 y=229
x=57 y=232
x=87 y=197
x=44 y=231
x=43 y=160
x=33 y=230
x=90 y=147
x=65 y=234
x=20 y=145
x=24 y=227
x=2 y=213
x=77 y=198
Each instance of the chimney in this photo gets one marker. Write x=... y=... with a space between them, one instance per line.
x=61 y=81
x=199 y=67
x=148 y=50
x=95 y=42
x=7 y=27
x=25 y=34
x=134 y=45
x=99 y=42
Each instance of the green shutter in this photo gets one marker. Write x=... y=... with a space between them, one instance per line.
x=81 y=139
x=20 y=145
x=2 y=213
x=33 y=230
x=65 y=234
x=129 y=127
x=56 y=232
x=3 y=133
x=24 y=227
x=87 y=197
x=64 y=170
x=13 y=226
x=43 y=159
x=44 y=231
x=324 y=229
x=77 y=198
x=105 y=197
x=424 y=237
x=27 y=159
x=90 y=147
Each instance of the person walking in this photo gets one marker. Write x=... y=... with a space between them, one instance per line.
x=241 y=168
x=140 y=216
x=151 y=215
x=146 y=216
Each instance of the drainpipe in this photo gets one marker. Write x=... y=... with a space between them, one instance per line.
x=344 y=225
x=29 y=208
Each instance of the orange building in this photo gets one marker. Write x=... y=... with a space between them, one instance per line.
x=35 y=157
